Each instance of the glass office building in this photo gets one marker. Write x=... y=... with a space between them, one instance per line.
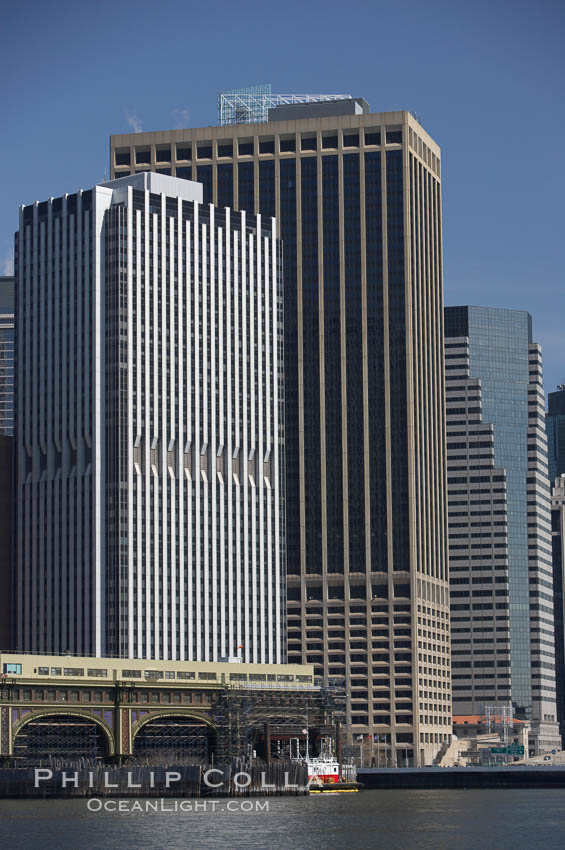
x=555 y=425
x=357 y=198
x=499 y=519
x=7 y=297
x=558 y=540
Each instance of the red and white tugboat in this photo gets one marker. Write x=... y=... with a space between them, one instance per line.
x=323 y=770
x=325 y=774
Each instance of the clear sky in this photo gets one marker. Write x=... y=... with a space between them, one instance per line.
x=486 y=79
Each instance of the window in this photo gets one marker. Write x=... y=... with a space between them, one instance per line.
x=169 y=674
x=185 y=675
x=123 y=158
x=238 y=677
x=184 y=153
x=73 y=671
x=97 y=672
x=225 y=150
x=329 y=141
x=210 y=676
x=308 y=143
x=55 y=671
x=185 y=172
x=14 y=669
x=394 y=137
x=285 y=678
x=205 y=151
x=287 y=145
x=351 y=140
x=246 y=148
x=143 y=157
x=131 y=674
x=163 y=155
x=153 y=674
x=372 y=138
x=266 y=146
x=43 y=671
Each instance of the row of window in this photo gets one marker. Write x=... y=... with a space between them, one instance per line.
x=246 y=147
x=58 y=695
x=11 y=668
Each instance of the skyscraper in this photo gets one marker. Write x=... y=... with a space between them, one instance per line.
x=558 y=542
x=150 y=513
x=357 y=198
x=7 y=295
x=6 y=549
x=499 y=519
x=6 y=355
x=555 y=425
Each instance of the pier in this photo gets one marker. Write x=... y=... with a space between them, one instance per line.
x=238 y=779
x=520 y=776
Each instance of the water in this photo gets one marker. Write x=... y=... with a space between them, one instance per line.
x=395 y=820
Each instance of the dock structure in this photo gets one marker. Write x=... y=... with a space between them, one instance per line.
x=515 y=776
x=110 y=710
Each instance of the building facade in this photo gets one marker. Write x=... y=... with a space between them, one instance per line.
x=558 y=545
x=502 y=640
x=6 y=548
x=555 y=425
x=357 y=198
x=149 y=491
x=7 y=297
x=160 y=712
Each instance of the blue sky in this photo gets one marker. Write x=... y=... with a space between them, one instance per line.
x=486 y=78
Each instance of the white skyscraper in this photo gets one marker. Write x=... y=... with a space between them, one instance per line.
x=150 y=500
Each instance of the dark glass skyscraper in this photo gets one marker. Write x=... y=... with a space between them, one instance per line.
x=558 y=544
x=555 y=425
x=7 y=295
x=357 y=198
x=500 y=557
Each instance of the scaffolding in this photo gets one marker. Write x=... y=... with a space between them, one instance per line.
x=67 y=737
x=251 y=722
x=173 y=740
x=499 y=720
x=251 y=104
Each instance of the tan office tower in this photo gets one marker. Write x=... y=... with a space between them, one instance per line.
x=358 y=202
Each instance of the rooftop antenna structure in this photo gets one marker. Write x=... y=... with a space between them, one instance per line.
x=250 y=105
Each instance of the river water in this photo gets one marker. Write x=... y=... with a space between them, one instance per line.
x=395 y=820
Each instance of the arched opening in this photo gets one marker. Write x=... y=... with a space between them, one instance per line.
x=174 y=740
x=60 y=736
